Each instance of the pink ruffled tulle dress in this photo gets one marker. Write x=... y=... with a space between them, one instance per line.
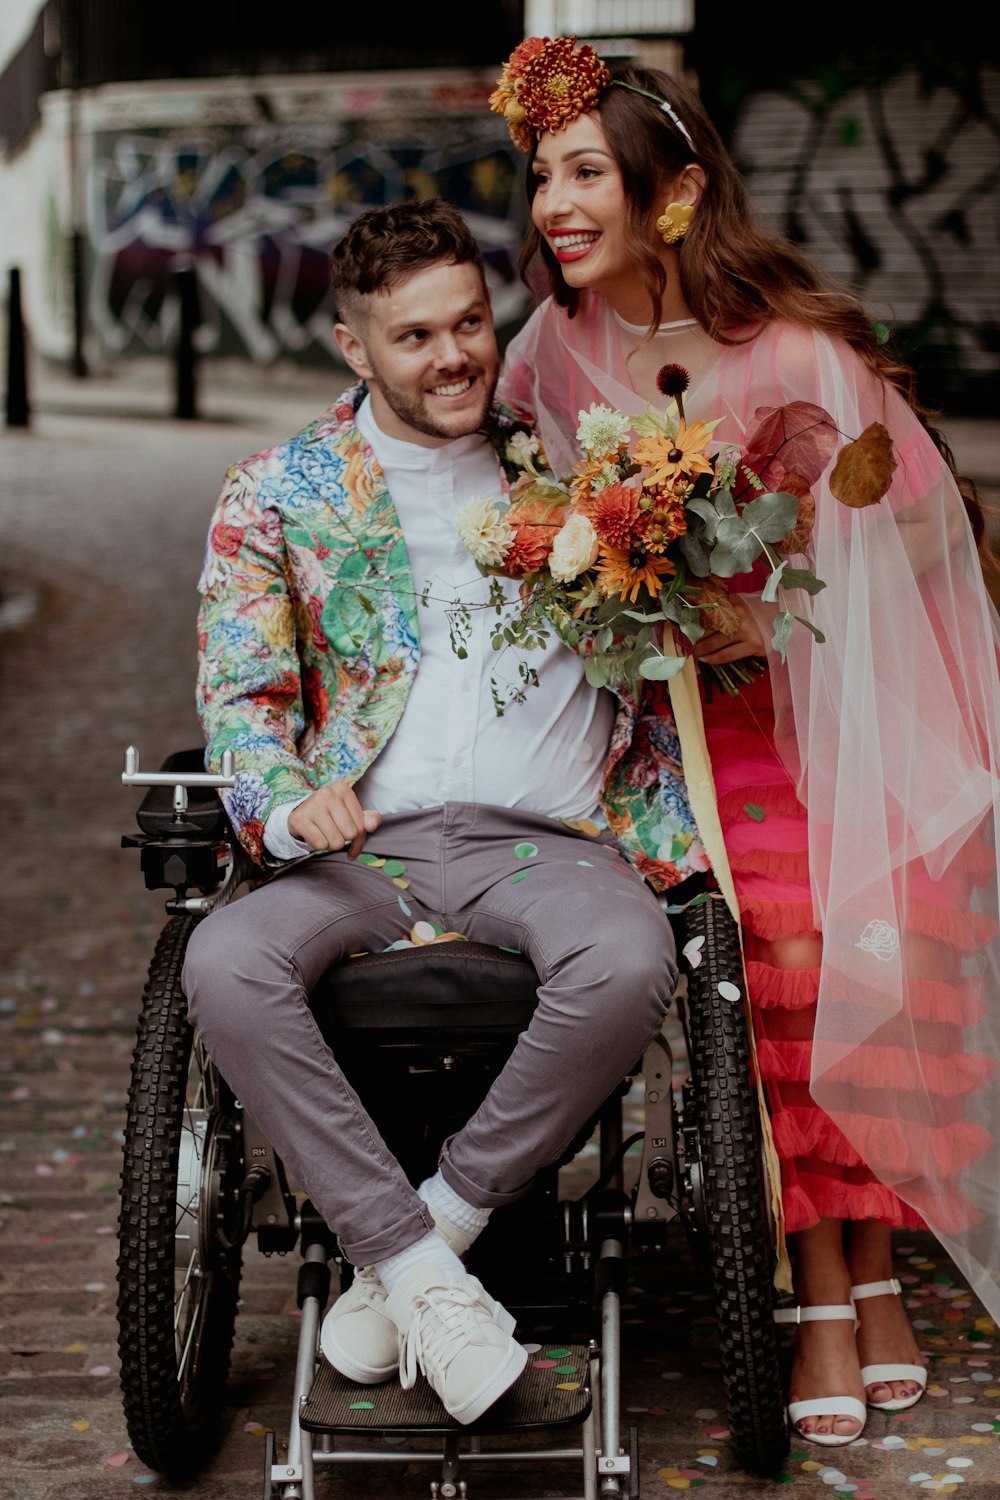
x=766 y=833
x=882 y=1064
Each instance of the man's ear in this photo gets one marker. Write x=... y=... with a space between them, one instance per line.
x=352 y=347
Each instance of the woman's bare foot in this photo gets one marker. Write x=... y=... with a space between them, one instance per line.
x=884 y=1334
x=825 y=1360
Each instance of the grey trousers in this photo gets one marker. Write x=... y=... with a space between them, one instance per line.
x=601 y=946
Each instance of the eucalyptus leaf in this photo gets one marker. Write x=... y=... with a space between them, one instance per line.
x=801 y=578
x=660 y=668
x=736 y=548
x=772 y=516
x=770 y=590
x=784 y=624
x=597 y=671
x=724 y=503
x=813 y=628
x=696 y=554
x=603 y=639
x=690 y=624
x=708 y=513
x=633 y=614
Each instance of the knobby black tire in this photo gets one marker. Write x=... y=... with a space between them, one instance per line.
x=172 y=1411
x=737 y=1222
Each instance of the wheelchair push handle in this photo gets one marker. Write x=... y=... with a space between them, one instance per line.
x=132 y=776
x=181 y=781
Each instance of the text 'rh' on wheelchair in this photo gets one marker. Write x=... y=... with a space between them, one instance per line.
x=421 y=1033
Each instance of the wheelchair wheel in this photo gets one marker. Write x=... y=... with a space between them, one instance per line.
x=726 y=1182
x=179 y=1252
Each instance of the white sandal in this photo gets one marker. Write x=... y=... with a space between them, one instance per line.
x=882 y=1374
x=832 y=1406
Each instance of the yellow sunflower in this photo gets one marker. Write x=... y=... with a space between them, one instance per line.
x=666 y=457
x=626 y=573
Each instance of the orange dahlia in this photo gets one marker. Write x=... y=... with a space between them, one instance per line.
x=545 y=84
x=535 y=525
x=616 y=516
x=504 y=101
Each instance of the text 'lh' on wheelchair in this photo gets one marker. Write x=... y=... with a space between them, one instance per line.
x=421 y=1033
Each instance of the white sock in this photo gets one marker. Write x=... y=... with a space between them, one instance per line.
x=437 y=1194
x=431 y=1248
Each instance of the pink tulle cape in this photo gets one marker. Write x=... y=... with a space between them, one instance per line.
x=891 y=734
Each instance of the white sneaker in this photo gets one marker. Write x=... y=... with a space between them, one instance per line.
x=455 y=1332
x=358 y=1336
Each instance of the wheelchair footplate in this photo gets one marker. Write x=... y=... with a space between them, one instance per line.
x=553 y=1391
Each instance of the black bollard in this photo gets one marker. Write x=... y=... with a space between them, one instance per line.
x=18 y=410
x=186 y=282
x=79 y=360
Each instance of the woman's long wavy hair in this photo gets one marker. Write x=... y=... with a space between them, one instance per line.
x=734 y=272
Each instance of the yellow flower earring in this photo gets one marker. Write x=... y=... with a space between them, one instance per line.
x=672 y=225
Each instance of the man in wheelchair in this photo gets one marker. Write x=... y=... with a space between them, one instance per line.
x=389 y=802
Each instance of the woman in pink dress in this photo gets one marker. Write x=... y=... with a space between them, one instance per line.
x=857 y=781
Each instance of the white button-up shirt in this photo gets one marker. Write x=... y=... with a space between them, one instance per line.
x=546 y=754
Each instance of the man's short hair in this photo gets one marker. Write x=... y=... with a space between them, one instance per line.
x=386 y=245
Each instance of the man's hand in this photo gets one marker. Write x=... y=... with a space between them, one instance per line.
x=333 y=819
x=716 y=649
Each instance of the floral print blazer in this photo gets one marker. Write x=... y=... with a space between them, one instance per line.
x=309 y=641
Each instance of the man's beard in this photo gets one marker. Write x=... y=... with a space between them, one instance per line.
x=411 y=409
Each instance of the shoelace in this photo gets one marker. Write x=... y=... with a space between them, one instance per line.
x=369 y=1285
x=443 y=1322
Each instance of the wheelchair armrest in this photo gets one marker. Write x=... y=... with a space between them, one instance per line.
x=155 y=814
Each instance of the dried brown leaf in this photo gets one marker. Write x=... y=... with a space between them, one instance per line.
x=864 y=469
x=798 y=538
x=718 y=610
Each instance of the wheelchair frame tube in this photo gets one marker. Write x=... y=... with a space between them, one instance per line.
x=300 y=1448
x=609 y=1466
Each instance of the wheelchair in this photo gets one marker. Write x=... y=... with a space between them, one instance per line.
x=421 y=1032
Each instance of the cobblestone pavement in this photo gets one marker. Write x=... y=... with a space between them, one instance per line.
x=103 y=512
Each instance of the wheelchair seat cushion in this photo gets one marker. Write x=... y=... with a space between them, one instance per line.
x=459 y=987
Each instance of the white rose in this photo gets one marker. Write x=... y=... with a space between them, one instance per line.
x=484 y=531
x=879 y=939
x=574 y=550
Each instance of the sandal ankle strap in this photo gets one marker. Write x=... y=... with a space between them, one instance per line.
x=876 y=1289
x=825 y=1312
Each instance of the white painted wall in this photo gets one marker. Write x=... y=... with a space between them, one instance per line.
x=17 y=17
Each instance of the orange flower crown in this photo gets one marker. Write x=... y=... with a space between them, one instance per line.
x=547 y=82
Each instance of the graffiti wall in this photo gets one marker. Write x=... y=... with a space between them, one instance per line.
x=894 y=184
x=255 y=209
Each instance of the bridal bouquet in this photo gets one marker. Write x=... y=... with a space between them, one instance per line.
x=642 y=537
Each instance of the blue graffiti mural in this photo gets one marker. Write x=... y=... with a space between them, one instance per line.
x=256 y=211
